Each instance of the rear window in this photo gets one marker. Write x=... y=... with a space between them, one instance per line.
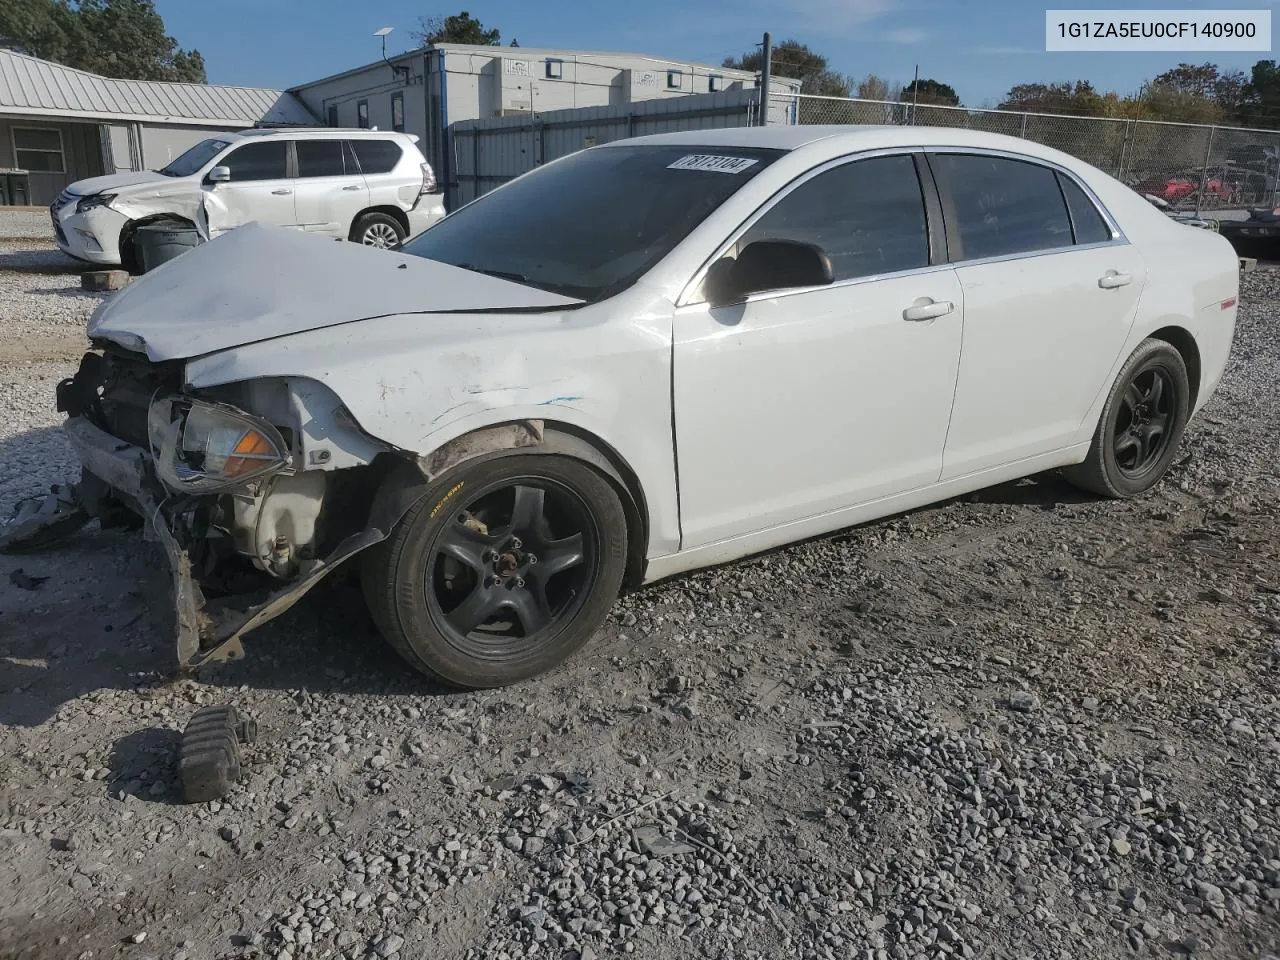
x=320 y=158
x=377 y=156
x=1002 y=206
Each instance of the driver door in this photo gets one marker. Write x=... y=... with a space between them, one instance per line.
x=260 y=188
x=800 y=403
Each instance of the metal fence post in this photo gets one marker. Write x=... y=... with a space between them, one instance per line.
x=1022 y=129
x=1204 y=170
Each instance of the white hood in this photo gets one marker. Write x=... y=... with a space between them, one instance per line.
x=257 y=283
x=119 y=181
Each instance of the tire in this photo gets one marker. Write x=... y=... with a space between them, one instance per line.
x=129 y=259
x=459 y=589
x=1141 y=424
x=377 y=230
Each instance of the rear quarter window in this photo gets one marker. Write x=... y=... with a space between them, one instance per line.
x=377 y=156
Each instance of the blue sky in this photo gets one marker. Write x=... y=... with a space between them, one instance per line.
x=980 y=48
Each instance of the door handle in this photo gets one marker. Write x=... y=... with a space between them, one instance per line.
x=930 y=310
x=281 y=193
x=354 y=186
x=1110 y=280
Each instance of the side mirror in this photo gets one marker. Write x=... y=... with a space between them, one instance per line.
x=766 y=265
x=218 y=175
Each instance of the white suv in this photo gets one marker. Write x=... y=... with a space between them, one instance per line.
x=369 y=186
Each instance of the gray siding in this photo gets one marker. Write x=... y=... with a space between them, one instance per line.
x=81 y=151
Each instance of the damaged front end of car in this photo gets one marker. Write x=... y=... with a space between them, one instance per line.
x=255 y=491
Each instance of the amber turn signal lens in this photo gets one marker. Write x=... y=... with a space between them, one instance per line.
x=248 y=454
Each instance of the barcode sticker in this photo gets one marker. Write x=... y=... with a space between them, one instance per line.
x=712 y=163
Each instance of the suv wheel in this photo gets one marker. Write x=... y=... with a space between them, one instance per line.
x=378 y=230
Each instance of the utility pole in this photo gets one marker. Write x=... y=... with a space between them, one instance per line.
x=766 y=67
x=915 y=94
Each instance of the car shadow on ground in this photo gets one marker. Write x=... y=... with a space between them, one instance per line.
x=104 y=620
x=144 y=765
x=38 y=260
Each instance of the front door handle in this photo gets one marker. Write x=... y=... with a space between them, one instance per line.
x=1110 y=280
x=928 y=310
x=354 y=186
x=281 y=193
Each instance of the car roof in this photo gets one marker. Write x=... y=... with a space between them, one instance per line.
x=316 y=133
x=849 y=138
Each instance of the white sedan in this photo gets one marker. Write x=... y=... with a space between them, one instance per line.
x=642 y=359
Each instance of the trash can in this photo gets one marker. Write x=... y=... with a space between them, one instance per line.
x=158 y=243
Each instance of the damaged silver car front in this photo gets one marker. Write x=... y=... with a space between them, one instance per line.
x=220 y=489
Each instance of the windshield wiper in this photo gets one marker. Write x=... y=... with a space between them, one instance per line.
x=500 y=274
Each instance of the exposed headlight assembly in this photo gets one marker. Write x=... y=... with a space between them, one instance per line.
x=200 y=446
x=95 y=200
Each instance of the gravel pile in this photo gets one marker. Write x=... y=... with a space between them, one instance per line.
x=1022 y=724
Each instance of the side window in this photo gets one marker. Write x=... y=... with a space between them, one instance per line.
x=397 y=112
x=376 y=156
x=320 y=158
x=868 y=216
x=362 y=114
x=1003 y=206
x=332 y=115
x=258 y=161
x=1085 y=219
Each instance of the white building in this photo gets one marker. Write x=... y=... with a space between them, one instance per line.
x=424 y=91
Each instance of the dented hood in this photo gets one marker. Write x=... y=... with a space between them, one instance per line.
x=257 y=283
x=122 y=181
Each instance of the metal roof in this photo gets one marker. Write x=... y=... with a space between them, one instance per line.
x=40 y=88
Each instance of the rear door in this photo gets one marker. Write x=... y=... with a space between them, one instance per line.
x=1050 y=289
x=261 y=188
x=330 y=191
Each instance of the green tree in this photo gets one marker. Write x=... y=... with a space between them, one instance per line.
x=458 y=28
x=1261 y=95
x=796 y=61
x=930 y=93
x=1077 y=98
x=113 y=38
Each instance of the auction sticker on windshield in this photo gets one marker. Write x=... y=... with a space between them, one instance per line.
x=712 y=163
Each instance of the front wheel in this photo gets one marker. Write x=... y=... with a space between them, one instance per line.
x=378 y=230
x=502 y=571
x=1141 y=424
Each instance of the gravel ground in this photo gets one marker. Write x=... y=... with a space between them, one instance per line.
x=21 y=224
x=1021 y=724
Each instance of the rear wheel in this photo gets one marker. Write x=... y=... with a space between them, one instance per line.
x=1141 y=424
x=378 y=230
x=502 y=571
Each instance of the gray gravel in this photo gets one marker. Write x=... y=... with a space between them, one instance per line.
x=26 y=225
x=1022 y=724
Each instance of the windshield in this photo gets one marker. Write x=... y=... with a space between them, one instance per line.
x=195 y=158
x=590 y=225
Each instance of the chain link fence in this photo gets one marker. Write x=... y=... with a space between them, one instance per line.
x=1211 y=170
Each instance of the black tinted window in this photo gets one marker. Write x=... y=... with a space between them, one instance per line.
x=1085 y=218
x=376 y=156
x=867 y=216
x=591 y=224
x=257 y=161
x=320 y=158
x=1003 y=206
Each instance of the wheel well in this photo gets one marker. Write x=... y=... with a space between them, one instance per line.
x=393 y=212
x=131 y=227
x=550 y=437
x=1182 y=341
x=633 y=500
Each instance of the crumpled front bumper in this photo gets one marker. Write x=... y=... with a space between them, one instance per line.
x=130 y=474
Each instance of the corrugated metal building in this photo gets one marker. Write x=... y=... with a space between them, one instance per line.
x=425 y=91
x=59 y=125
